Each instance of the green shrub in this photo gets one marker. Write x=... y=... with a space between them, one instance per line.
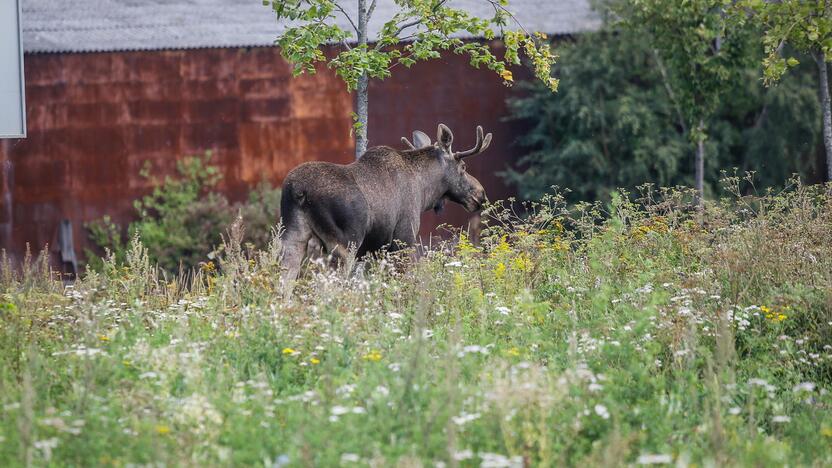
x=182 y=221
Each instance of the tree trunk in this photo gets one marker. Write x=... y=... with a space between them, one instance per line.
x=361 y=110
x=826 y=104
x=700 y=167
x=362 y=91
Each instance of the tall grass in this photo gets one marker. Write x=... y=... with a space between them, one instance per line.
x=643 y=332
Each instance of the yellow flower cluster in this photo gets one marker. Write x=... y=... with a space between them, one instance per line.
x=162 y=429
x=502 y=248
x=465 y=247
x=522 y=262
x=500 y=270
x=774 y=314
x=374 y=355
x=656 y=224
x=208 y=267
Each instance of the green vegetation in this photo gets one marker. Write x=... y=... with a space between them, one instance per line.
x=618 y=121
x=182 y=221
x=643 y=332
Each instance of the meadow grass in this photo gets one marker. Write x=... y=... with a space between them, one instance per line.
x=641 y=333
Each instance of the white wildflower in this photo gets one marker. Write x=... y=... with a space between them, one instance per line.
x=338 y=410
x=654 y=459
x=601 y=410
x=46 y=446
x=804 y=387
x=495 y=460
x=464 y=418
x=466 y=454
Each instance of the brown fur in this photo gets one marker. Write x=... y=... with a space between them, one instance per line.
x=376 y=201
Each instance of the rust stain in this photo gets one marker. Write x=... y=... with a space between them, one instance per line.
x=95 y=119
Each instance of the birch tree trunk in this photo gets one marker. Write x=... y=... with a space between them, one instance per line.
x=823 y=83
x=700 y=167
x=362 y=91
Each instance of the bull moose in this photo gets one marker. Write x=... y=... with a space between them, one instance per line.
x=376 y=201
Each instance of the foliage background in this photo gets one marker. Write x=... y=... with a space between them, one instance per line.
x=612 y=124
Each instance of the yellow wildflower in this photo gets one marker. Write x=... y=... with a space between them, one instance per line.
x=374 y=355
x=559 y=245
x=514 y=351
x=640 y=232
x=315 y=361
x=502 y=248
x=465 y=247
x=288 y=351
x=521 y=263
x=773 y=314
x=104 y=338
x=162 y=429
x=459 y=281
x=500 y=270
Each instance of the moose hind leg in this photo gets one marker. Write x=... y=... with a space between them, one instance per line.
x=295 y=239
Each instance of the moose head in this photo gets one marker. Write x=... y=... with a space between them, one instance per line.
x=460 y=186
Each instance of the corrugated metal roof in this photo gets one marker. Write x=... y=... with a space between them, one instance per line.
x=110 y=25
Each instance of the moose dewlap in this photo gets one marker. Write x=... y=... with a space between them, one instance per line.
x=376 y=201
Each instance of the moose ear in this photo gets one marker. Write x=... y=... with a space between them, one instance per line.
x=420 y=139
x=444 y=136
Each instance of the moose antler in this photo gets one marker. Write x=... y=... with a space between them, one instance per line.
x=482 y=145
x=408 y=143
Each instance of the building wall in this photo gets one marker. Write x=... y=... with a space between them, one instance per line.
x=96 y=119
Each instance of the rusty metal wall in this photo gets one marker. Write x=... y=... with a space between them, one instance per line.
x=95 y=119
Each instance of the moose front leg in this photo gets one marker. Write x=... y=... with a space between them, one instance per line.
x=404 y=237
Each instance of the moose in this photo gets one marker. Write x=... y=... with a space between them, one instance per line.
x=376 y=201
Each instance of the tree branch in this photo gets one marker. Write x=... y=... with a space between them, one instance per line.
x=498 y=7
x=354 y=27
x=671 y=94
x=402 y=28
x=371 y=10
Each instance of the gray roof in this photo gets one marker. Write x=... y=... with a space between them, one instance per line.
x=110 y=25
